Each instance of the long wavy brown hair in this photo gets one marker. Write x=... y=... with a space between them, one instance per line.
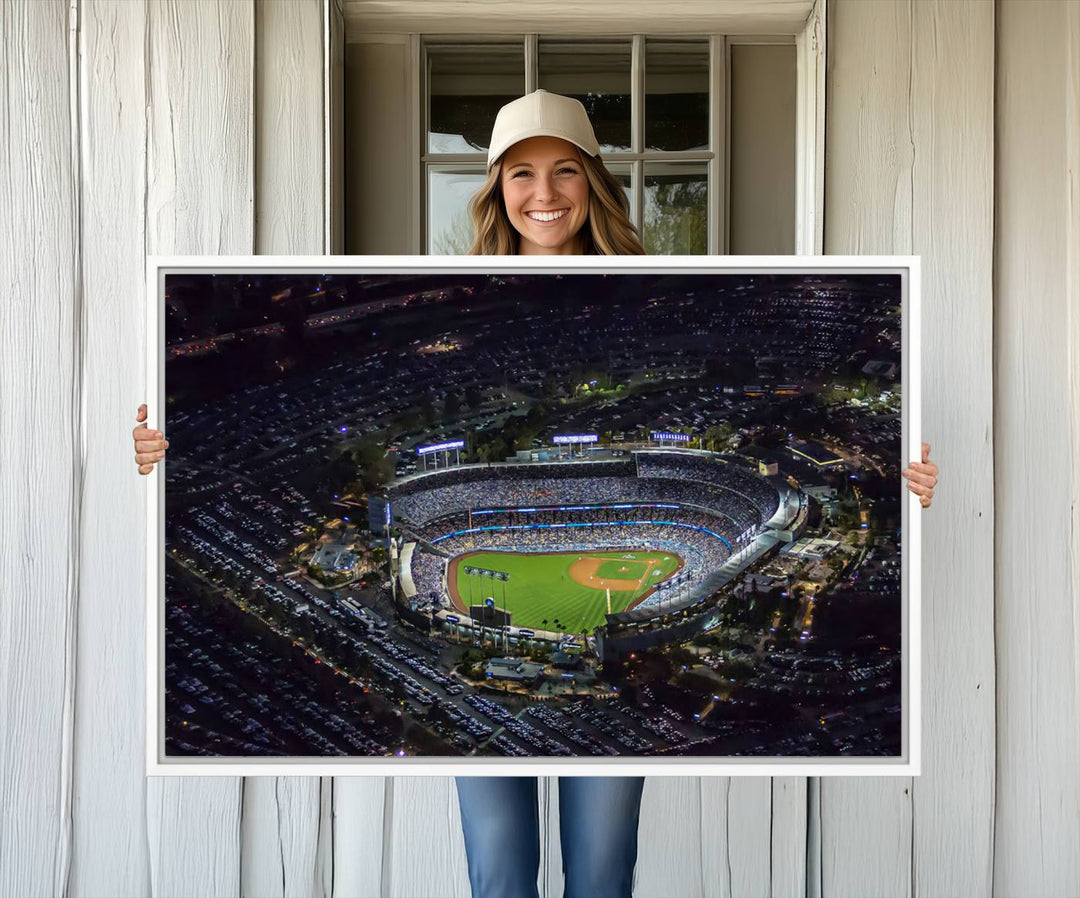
x=607 y=231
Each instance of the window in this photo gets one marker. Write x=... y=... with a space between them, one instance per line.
x=717 y=140
x=658 y=106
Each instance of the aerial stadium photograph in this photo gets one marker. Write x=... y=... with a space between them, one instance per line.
x=576 y=515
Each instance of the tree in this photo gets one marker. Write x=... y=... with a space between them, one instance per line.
x=524 y=439
x=496 y=450
x=676 y=218
x=373 y=464
x=718 y=437
x=456 y=239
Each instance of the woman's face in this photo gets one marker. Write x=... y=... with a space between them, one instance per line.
x=546 y=195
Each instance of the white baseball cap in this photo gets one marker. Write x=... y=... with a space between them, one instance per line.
x=541 y=114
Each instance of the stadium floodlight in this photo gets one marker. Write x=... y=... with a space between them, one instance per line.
x=440 y=447
x=663 y=435
x=562 y=439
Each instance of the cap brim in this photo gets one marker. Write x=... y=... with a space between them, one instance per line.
x=495 y=153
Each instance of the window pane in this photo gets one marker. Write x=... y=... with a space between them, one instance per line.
x=597 y=74
x=676 y=208
x=623 y=175
x=467 y=84
x=676 y=95
x=449 y=191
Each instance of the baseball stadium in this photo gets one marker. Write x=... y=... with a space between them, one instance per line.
x=561 y=550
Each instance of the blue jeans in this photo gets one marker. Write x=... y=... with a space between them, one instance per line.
x=598 y=822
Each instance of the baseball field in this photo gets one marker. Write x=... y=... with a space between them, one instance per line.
x=568 y=587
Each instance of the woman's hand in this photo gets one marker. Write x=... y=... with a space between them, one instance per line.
x=922 y=477
x=149 y=444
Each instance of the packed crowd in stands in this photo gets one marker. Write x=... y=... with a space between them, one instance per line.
x=506 y=491
x=664 y=477
x=720 y=528
x=712 y=471
x=427 y=575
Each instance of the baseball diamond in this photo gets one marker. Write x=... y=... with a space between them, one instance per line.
x=569 y=587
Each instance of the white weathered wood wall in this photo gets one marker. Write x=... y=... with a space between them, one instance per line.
x=194 y=126
x=909 y=145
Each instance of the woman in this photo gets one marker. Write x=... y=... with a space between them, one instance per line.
x=548 y=193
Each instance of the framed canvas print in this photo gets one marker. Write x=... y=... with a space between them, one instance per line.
x=519 y=515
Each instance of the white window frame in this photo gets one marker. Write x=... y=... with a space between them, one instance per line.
x=809 y=42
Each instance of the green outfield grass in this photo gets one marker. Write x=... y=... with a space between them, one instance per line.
x=540 y=587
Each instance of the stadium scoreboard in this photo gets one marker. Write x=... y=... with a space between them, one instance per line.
x=441 y=447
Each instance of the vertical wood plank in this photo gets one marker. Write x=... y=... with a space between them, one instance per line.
x=788 y=842
x=866 y=836
x=282 y=816
x=193 y=830
x=361 y=815
x=289 y=128
x=868 y=151
x=110 y=674
x=200 y=187
x=670 y=839
x=952 y=77
x=425 y=850
x=280 y=836
x=1037 y=372
x=41 y=452
x=737 y=836
x=199 y=200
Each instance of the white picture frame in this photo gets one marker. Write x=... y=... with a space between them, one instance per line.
x=907 y=764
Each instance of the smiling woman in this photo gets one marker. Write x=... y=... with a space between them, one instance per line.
x=547 y=191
